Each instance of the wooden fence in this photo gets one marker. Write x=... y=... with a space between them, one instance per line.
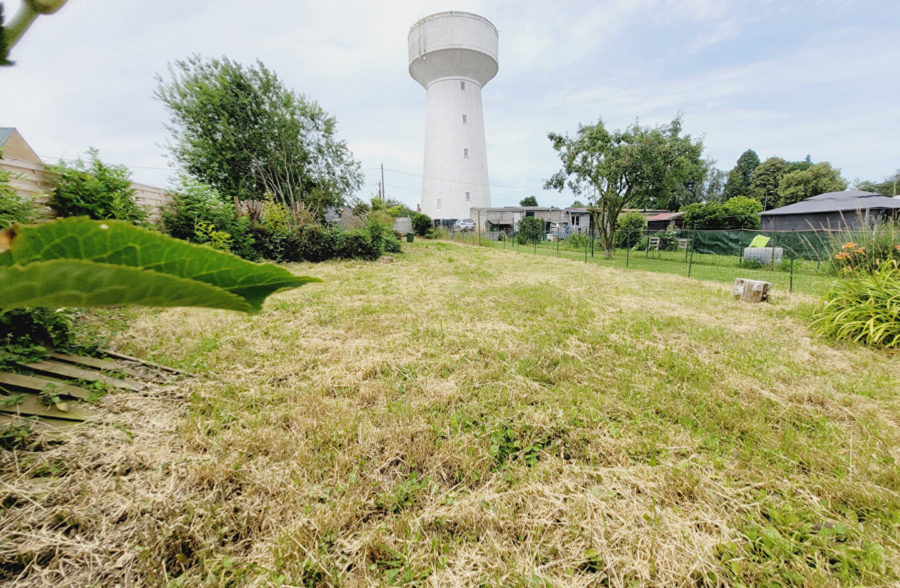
x=35 y=181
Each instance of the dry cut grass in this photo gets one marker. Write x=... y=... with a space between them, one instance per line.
x=464 y=417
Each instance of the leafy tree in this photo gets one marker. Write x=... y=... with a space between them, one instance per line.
x=766 y=180
x=817 y=179
x=578 y=204
x=614 y=169
x=631 y=228
x=528 y=201
x=740 y=177
x=740 y=212
x=240 y=130
x=531 y=230
x=96 y=190
x=887 y=187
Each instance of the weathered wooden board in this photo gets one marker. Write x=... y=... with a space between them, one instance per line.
x=101 y=364
x=42 y=425
x=31 y=405
x=57 y=368
x=37 y=384
x=145 y=362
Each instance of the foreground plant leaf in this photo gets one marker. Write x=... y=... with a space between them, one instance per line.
x=130 y=266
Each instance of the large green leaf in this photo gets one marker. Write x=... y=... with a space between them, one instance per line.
x=76 y=282
x=122 y=245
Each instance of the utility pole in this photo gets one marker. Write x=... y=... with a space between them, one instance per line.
x=382 y=183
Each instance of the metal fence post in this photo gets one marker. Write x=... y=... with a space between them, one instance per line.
x=557 y=241
x=627 y=255
x=791 y=286
x=691 y=258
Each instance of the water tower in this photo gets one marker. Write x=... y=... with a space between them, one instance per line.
x=453 y=55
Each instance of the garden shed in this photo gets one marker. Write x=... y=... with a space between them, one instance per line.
x=849 y=210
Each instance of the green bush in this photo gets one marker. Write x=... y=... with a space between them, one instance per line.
x=357 y=244
x=577 y=241
x=96 y=190
x=864 y=308
x=13 y=207
x=739 y=212
x=27 y=334
x=421 y=223
x=629 y=229
x=531 y=230
x=199 y=214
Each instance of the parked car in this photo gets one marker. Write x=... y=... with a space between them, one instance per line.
x=465 y=224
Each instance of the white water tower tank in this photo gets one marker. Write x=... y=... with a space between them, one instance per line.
x=453 y=55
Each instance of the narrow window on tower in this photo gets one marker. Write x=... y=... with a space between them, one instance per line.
x=465 y=151
x=468 y=196
x=462 y=86
x=438 y=203
x=465 y=121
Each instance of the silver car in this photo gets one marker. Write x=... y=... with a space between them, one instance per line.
x=465 y=224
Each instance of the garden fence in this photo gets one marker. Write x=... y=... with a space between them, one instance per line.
x=791 y=261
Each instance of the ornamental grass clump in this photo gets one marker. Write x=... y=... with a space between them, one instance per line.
x=864 y=307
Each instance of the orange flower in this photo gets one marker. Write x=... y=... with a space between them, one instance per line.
x=849 y=245
x=841 y=255
x=860 y=250
x=897 y=247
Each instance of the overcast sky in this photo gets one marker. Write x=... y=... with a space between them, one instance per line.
x=783 y=78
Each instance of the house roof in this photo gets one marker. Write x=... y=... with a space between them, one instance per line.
x=837 y=202
x=666 y=216
x=5 y=134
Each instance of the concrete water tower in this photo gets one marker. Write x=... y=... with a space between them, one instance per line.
x=453 y=55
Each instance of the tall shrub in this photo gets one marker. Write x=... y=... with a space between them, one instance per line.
x=13 y=207
x=96 y=190
x=531 y=230
x=630 y=229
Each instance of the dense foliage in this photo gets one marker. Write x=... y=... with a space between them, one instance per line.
x=740 y=177
x=13 y=207
x=528 y=201
x=863 y=308
x=630 y=229
x=886 y=187
x=614 y=169
x=240 y=130
x=739 y=212
x=95 y=190
x=531 y=229
x=817 y=179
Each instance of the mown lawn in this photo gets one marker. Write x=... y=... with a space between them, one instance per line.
x=472 y=416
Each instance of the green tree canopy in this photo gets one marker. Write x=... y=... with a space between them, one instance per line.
x=816 y=179
x=766 y=179
x=240 y=130
x=615 y=169
x=887 y=187
x=531 y=230
x=740 y=212
x=740 y=177
x=528 y=201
